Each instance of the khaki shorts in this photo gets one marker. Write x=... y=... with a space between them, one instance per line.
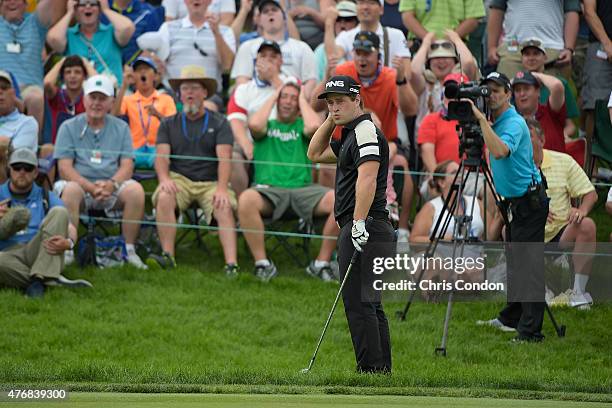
x=200 y=192
x=510 y=62
x=300 y=202
x=88 y=203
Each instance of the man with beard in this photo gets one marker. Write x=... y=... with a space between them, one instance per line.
x=205 y=134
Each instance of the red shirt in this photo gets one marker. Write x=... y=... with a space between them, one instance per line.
x=552 y=124
x=62 y=109
x=380 y=97
x=443 y=134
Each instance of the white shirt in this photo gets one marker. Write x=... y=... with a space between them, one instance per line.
x=609 y=200
x=298 y=59
x=477 y=226
x=397 y=43
x=177 y=8
x=610 y=101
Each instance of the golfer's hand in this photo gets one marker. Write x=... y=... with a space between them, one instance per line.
x=359 y=235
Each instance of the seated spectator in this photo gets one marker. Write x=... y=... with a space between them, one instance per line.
x=100 y=43
x=223 y=9
x=533 y=57
x=16 y=129
x=567 y=224
x=247 y=99
x=309 y=19
x=198 y=132
x=557 y=28
x=285 y=139
x=22 y=36
x=95 y=162
x=35 y=231
x=64 y=89
x=145 y=18
x=434 y=60
x=435 y=17
x=298 y=58
x=341 y=18
x=526 y=91
x=144 y=109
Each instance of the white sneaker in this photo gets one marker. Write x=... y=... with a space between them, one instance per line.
x=68 y=257
x=134 y=260
x=495 y=323
x=581 y=301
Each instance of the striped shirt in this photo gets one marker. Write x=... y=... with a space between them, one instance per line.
x=566 y=180
x=439 y=15
x=30 y=35
x=178 y=50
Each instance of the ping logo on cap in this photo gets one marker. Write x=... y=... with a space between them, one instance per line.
x=334 y=83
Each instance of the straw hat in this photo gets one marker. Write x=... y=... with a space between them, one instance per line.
x=195 y=73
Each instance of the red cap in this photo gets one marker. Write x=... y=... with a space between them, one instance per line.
x=457 y=77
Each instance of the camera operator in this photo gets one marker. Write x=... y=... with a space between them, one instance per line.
x=517 y=179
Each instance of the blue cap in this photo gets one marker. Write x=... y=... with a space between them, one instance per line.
x=144 y=60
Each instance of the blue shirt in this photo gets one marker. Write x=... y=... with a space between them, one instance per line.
x=145 y=17
x=21 y=129
x=30 y=35
x=34 y=202
x=104 y=43
x=513 y=174
x=96 y=155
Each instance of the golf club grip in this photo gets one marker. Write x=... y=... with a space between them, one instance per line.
x=356 y=252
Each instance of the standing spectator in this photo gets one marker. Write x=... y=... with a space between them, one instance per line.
x=99 y=43
x=437 y=16
x=309 y=19
x=224 y=9
x=392 y=17
x=248 y=98
x=557 y=28
x=145 y=17
x=64 y=89
x=95 y=161
x=22 y=36
x=533 y=57
x=198 y=132
x=197 y=39
x=526 y=90
x=298 y=58
x=285 y=139
x=16 y=129
x=144 y=109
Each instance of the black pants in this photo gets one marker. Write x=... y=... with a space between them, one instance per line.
x=526 y=271
x=362 y=304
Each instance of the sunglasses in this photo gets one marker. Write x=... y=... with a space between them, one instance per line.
x=201 y=51
x=364 y=44
x=445 y=45
x=346 y=19
x=22 y=166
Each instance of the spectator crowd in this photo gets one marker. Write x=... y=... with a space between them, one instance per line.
x=218 y=99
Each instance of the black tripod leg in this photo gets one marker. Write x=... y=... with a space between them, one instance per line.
x=441 y=351
x=401 y=314
x=559 y=329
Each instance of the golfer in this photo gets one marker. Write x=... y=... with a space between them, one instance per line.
x=362 y=156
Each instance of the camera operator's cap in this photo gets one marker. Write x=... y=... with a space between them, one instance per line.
x=263 y=3
x=525 y=77
x=533 y=43
x=144 y=60
x=340 y=84
x=346 y=8
x=366 y=41
x=270 y=44
x=99 y=83
x=7 y=77
x=498 y=78
x=442 y=49
x=23 y=155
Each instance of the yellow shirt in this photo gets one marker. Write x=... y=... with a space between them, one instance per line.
x=566 y=180
x=142 y=126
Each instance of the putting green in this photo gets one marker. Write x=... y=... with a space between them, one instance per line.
x=119 y=400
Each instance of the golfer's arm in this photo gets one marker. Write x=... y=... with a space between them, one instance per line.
x=319 y=150
x=365 y=188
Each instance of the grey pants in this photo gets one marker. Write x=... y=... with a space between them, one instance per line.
x=22 y=261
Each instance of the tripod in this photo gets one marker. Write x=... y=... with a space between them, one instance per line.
x=461 y=232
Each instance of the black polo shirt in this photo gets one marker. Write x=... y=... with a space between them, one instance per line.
x=361 y=141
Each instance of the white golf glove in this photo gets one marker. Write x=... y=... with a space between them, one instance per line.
x=359 y=235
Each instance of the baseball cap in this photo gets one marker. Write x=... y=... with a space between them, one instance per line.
x=23 y=155
x=99 y=83
x=525 y=77
x=458 y=77
x=263 y=3
x=533 y=43
x=7 y=77
x=498 y=78
x=144 y=60
x=366 y=41
x=340 y=84
x=346 y=8
x=271 y=44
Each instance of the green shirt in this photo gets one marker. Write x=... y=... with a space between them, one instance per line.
x=438 y=15
x=570 y=100
x=286 y=143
